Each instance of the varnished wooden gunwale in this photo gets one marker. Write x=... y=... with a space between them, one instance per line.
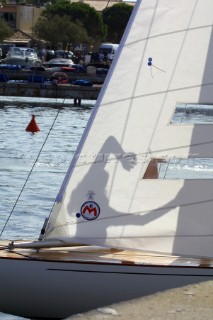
x=97 y=255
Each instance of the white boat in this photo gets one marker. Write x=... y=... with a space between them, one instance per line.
x=58 y=62
x=25 y=57
x=120 y=229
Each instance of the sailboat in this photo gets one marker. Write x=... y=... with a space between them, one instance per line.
x=120 y=228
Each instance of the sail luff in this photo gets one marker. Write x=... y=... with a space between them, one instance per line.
x=96 y=107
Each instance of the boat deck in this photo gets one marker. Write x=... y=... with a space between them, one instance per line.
x=90 y=254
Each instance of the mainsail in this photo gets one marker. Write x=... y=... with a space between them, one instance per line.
x=112 y=195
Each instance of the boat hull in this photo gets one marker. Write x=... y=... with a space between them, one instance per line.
x=55 y=290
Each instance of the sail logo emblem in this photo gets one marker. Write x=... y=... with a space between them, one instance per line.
x=90 y=210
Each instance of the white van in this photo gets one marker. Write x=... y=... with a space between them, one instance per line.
x=107 y=51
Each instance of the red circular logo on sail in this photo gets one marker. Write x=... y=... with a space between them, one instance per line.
x=90 y=210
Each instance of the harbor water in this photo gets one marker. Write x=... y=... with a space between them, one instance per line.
x=32 y=166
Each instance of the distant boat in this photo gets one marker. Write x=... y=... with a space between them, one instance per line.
x=25 y=57
x=119 y=229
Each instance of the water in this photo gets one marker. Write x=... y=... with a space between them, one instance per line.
x=19 y=155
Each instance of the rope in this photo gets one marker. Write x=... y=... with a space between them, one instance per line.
x=31 y=170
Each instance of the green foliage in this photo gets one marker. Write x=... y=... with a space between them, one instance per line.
x=58 y=7
x=5 y=30
x=116 y=18
x=60 y=30
x=90 y=19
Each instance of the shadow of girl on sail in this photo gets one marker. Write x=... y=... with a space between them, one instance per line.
x=90 y=201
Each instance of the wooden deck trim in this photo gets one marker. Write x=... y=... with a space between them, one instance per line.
x=91 y=255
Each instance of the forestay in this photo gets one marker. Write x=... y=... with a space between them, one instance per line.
x=164 y=59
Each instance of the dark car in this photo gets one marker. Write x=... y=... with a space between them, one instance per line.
x=5 y=48
x=63 y=54
x=50 y=54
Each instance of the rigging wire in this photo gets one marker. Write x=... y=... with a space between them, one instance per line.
x=31 y=170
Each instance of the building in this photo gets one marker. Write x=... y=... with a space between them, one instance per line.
x=23 y=17
x=100 y=5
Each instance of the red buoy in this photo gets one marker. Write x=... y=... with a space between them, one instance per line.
x=32 y=126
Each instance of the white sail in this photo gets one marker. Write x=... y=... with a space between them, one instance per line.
x=164 y=59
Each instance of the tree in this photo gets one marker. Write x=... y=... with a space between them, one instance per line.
x=90 y=19
x=116 y=18
x=51 y=31
x=5 y=30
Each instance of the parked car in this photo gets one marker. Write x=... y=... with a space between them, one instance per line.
x=50 y=54
x=58 y=62
x=64 y=54
x=5 y=48
x=25 y=57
